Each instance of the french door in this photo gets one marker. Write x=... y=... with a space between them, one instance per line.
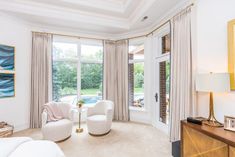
x=162 y=93
x=161 y=109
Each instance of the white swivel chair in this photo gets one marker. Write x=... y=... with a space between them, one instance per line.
x=61 y=129
x=99 y=118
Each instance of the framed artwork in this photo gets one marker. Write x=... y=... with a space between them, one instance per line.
x=231 y=52
x=229 y=123
x=7 y=71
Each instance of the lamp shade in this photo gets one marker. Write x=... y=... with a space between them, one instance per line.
x=213 y=82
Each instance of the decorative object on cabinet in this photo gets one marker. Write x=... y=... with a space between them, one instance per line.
x=196 y=120
x=231 y=52
x=6 y=130
x=213 y=82
x=229 y=123
x=7 y=71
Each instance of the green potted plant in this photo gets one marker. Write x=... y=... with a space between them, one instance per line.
x=80 y=103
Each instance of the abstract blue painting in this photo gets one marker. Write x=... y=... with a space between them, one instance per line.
x=7 y=55
x=7 y=85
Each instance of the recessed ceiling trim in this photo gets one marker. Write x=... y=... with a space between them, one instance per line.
x=48 y=12
x=113 y=6
x=103 y=16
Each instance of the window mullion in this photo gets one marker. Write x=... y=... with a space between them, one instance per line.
x=79 y=70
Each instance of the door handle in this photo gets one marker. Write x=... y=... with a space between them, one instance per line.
x=156 y=97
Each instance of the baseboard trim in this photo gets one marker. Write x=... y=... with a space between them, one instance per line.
x=21 y=127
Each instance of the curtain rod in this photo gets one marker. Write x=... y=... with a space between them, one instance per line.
x=71 y=36
x=144 y=35
x=158 y=27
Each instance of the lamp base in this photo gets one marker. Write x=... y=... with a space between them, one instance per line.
x=79 y=130
x=213 y=123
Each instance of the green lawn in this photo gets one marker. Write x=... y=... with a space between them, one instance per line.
x=94 y=91
x=139 y=90
x=89 y=91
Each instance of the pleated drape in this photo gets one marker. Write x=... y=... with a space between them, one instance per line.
x=116 y=77
x=182 y=93
x=40 y=74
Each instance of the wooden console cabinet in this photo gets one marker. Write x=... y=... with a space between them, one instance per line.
x=206 y=141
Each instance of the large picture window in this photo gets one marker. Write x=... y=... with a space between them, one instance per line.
x=64 y=72
x=77 y=71
x=91 y=73
x=136 y=74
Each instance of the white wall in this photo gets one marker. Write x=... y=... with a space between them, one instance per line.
x=212 y=18
x=15 y=110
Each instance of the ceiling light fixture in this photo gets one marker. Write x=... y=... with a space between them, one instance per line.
x=144 y=18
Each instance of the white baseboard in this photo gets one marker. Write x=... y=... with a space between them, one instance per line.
x=21 y=127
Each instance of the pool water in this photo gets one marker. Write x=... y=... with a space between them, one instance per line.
x=92 y=99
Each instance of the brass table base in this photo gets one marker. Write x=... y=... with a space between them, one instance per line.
x=79 y=130
x=211 y=121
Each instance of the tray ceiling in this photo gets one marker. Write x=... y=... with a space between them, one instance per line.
x=103 y=16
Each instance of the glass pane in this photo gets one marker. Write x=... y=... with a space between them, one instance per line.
x=136 y=52
x=92 y=53
x=91 y=73
x=64 y=72
x=136 y=73
x=136 y=84
x=64 y=51
x=65 y=81
x=164 y=91
x=166 y=44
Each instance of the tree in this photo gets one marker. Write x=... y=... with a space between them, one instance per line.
x=138 y=75
x=91 y=75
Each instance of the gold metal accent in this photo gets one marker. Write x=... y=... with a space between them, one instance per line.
x=211 y=121
x=79 y=129
x=231 y=53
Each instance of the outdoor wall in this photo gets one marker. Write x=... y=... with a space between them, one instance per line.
x=15 y=110
x=211 y=31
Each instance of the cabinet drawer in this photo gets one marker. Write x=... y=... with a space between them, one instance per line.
x=231 y=151
x=197 y=144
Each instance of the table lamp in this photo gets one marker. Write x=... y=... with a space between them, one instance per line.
x=212 y=82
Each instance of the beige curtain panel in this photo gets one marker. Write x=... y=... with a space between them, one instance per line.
x=40 y=72
x=182 y=73
x=116 y=77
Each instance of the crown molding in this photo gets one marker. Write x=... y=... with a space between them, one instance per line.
x=114 y=6
x=64 y=14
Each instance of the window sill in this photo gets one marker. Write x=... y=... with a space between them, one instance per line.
x=137 y=109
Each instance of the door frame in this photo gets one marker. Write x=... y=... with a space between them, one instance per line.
x=157 y=123
x=159 y=57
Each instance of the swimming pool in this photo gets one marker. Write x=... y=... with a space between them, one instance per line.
x=92 y=99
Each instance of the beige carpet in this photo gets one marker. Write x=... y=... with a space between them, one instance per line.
x=124 y=140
